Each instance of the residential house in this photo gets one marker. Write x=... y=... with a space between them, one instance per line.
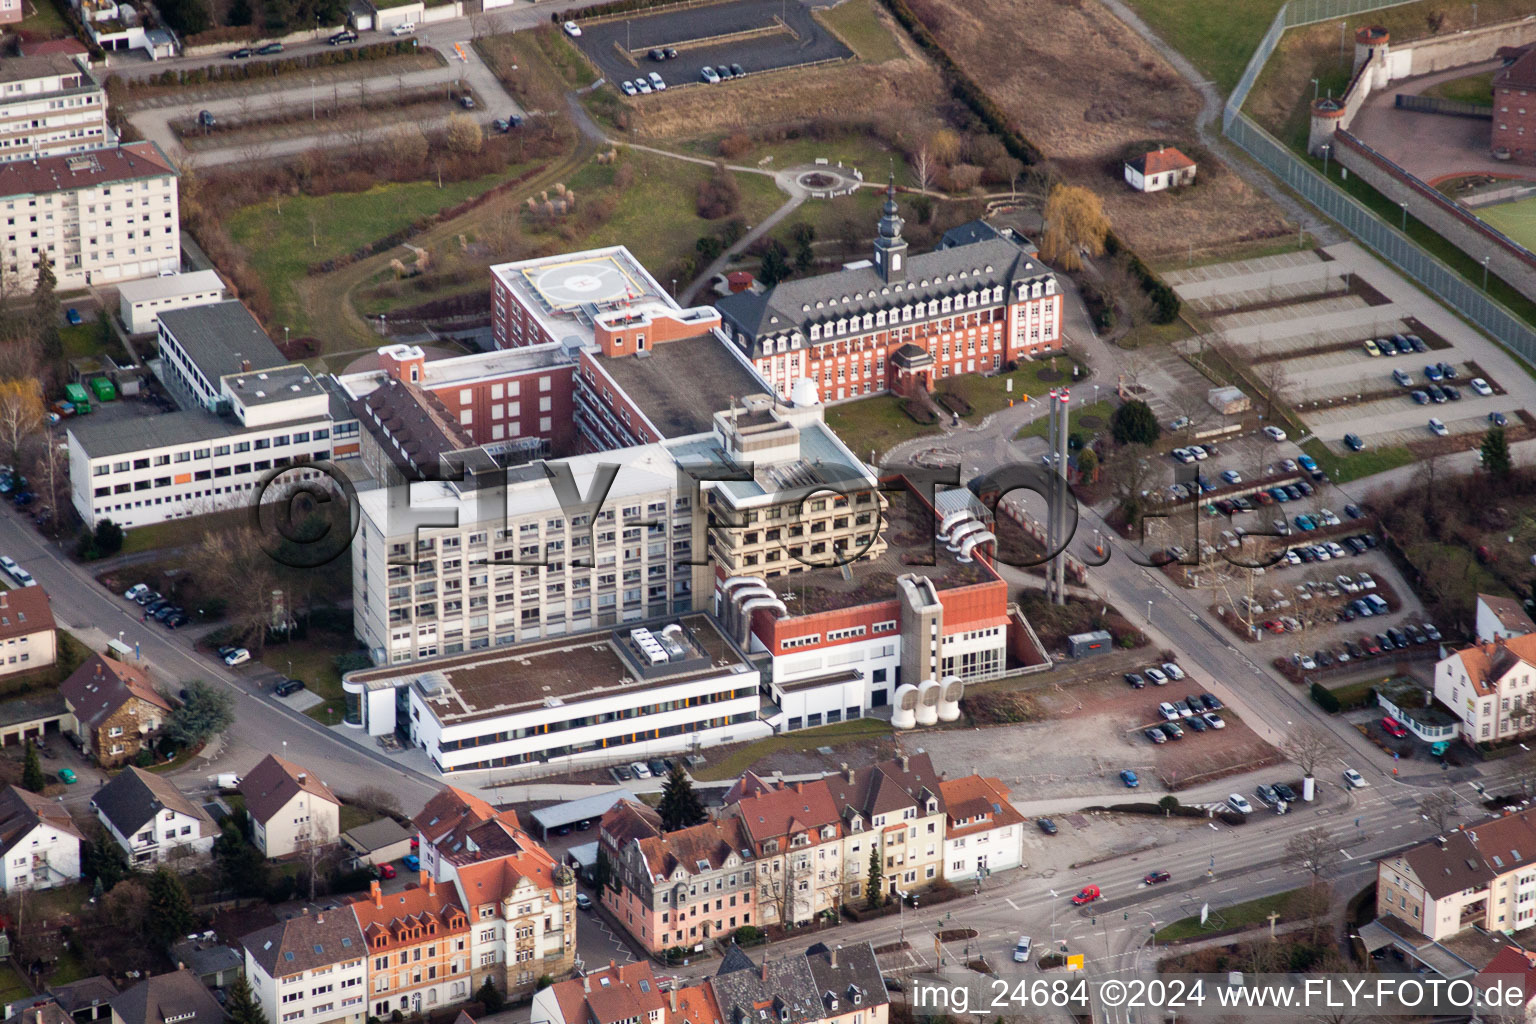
x=682 y=888
x=86 y=1000
x=901 y=801
x=521 y=905
x=27 y=639
x=780 y=991
x=290 y=808
x=417 y=943
x=1499 y=618
x=1162 y=168
x=795 y=840
x=1491 y=688
x=983 y=832
x=1509 y=963
x=214 y=963
x=150 y=819
x=309 y=969
x=115 y=708
x=1513 y=129
x=39 y=841
x=616 y=994
x=1481 y=874
x=443 y=822
x=174 y=998
x=851 y=985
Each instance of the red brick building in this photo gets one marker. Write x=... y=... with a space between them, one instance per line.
x=899 y=322
x=1514 y=109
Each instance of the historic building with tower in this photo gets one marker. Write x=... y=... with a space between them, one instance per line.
x=900 y=322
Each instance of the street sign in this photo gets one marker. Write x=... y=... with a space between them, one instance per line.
x=1205 y=912
x=1075 y=962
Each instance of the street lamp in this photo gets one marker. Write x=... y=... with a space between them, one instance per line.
x=1149 y=613
x=1326 y=149
x=1314 y=90
x=1485 y=273
x=1405 y=214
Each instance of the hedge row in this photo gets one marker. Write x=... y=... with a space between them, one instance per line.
x=242 y=71
x=612 y=7
x=405 y=234
x=1165 y=303
x=1324 y=698
x=961 y=87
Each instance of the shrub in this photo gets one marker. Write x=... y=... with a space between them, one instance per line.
x=735 y=145
x=719 y=195
x=1324 y=698
x=919 y=413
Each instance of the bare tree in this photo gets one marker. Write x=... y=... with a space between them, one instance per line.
x=21 y=414
x=1272 y=376
x=922 y=169
x=1315 y=850
x=1307 y=746
x=1439 y=808
x=316 y=845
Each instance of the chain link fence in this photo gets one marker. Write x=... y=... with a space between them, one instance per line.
x=1388 y=242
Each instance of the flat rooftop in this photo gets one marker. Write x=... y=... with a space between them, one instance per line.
x=465 y=369
x=567 y=291
x=909 y=536
x=170 y=286
x=276 y=384
x=221 y=337
x=556 y=671
x=680 y=385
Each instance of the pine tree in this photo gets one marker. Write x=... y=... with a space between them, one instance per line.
x=874 y=885
x=241 y=1006
x=775 y=265
x=45 y=313
x=680 y=806
x=170 y=908
x=32 y=776
x=1496 y=452
x=490 y=997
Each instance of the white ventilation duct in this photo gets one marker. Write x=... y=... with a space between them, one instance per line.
x=963 y=531
x=673 y=630
x=904 y=707
x=953 y=520
x=951 y=690
x=971 y=543
x=744 y=624
x=928 y=695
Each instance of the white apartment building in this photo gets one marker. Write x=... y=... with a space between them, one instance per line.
x=309 y=969
x=249 y=414
x=983 y=833
x=98 y=217
x=140 y=303
x=39 y=842
x=50 y=105
x=1491 y=687
x=492 y=558
x=597 y=697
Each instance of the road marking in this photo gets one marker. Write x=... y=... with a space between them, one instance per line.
x=1346 y=855
x=1010 y=902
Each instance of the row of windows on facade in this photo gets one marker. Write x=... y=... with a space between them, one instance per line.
x=581 y=722
x=554 y=625
x=188 y=454
x=550 y=525
x=106 y=192
x=549 y=615
x=239 y=469
x=810 y=639
x=606 y=743
x=553 y=591
x=872 y=321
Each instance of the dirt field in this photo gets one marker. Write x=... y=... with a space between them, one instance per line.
x=1085 y=93
x=792 y=96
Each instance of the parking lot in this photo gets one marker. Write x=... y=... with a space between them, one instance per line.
x=759 y=35
x=1316 y=346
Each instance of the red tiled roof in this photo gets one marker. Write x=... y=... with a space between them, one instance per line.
x=417 y=905
x=452 y=809
x=1512 y=960
x=1486 y=662
x=982 y=800
x=614 y=993
x=695 y=1005
x=1161 y=161
x=50 y=47
x=128 y=162
x=491 y=881
x=710 y=843
x=785 y=812
x=625 y=822
x=24 y=611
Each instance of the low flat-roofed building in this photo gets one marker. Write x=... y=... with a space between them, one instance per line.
x=597 y=697
x=200 y=345
x=140 y=303
x=377 y=842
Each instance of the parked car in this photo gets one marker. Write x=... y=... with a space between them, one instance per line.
x=736 y=69
x=242 y=53
x=1266 y=795
x=1393 y=727
x=1402 y=378
x=628 y=88
x=288 y=687
x=1129 y=778
x=73 y=316
x=1420 y=398
x=709 y=74
x=1197 y=722
x=656 y=82
x=1156 y=677
x=725 y=72
x=644 y=86
x=583 y=901
x=411 y=861
x=386 y=871
x=622 y=773
x=1232 y=476
x=270 y=48
x=467 y=102
x=68 y=776
x=657 y=54
x=1274 y=434
x=1432 y=372
x=1284 y=792
x=1354 y=443
x=572 y=29
x=1210 y=702
x=1480 y=385
x=1155 y=734
x=1214 y=720
x=1173 y=671
x=342 y=37
x=1371 y=348
x=1047 y=826
x=403 y=29
x=1135 y=680
x=238 y=656
x=1354 y=779
x=134 y=591
x=1238 y=804
x=640 y=769
x=1431 y=632
x=1172 y=730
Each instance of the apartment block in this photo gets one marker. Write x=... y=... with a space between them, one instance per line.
x=49 y=105
x=1476 y=875
x=309 y=969
x=96 y=217
x=417 y=946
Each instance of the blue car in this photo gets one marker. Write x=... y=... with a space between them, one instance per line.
x=411 y=862
x=1307 y=463
x=73 y=316
x=1278 y=493
x=1306 y=524
x=1129 y=778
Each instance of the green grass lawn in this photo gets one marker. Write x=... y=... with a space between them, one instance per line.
x=569 y=61
x=12 y=987
x=855 y=23
x=1218 y=38
x=1472 y=89
x=351 y=817
x=1342 y=468
x=183 y=533
x=874 y=424
x=989 y=394
x=284 y=237
x=43 y=20
x=1097 y=413
x=1517 y=220
x=739 y=760
x=313 y=660
x=1253 y=912
x=656 y=216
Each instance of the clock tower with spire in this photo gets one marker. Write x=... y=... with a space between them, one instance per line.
x=890 y=247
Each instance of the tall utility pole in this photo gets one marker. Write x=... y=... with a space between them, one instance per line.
x=1056 y=406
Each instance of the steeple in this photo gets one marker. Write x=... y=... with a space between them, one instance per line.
x=890 y=247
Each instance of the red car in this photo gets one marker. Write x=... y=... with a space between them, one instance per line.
x=1088 y=895
x=386 y=871
x=1156 y=876
x=1394 y=727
